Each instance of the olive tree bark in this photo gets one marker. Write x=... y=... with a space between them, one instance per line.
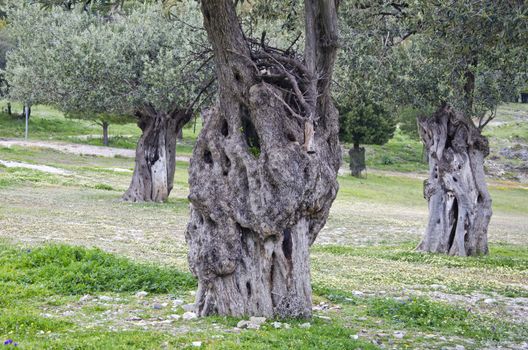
x=459 y=201
x=357 y=160
x=155 y=165
x=105 y=133
x=263 y=173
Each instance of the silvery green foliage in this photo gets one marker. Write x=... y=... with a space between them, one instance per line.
x=86 y=64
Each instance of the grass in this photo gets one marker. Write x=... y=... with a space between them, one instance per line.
x=30 y=277
x=47 y=123
x=366 y=246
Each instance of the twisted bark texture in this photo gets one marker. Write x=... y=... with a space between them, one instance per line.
x=357 y=160
x=263 y=173
x=459 y=201
x=155 y=165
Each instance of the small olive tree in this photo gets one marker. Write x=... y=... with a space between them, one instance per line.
x=141 y=64
x=364 y=123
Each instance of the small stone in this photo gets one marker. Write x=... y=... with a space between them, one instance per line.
x=242 y=324
x=188 y=307
x=323 y=317
x=177 y=302
x=305 y=325
x=286 y=325
x=490 y=301
x=134 y=319
x=157 y=306
x=276 y=325
x=105 y=298
x=68 y=313
x=257 y=320
x=358 y=293
x=399 y=334
x=197 y=344
x=460 y=347
x=175 y=317
x=253 y=326
x=354 y=336
x=85 y=298
x=189 y=316
x=141 y=294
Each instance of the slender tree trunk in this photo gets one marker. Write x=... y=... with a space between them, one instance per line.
x=105 y=133
x=459 y=201
x=263 y=174
x=153 y=175
x=357 y=160
x=9 y=112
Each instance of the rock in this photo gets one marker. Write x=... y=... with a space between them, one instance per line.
x=305 y=325
x=460 y=347
x=177 y=302
x=242 y=324
x=85 y=298
x=354 y=336
x=189 y=316
x=358 y=293
x=399 y=334
x=323 y=317
x=197 y=343
x=257 y=320
x=105 y=298
x=157 y=306
x=276 y=325
x=437 y=286
x=134 y=319
x=68 y=313
x=189 y=307
x=490 y=301
x=253 y=326
x=175 y=317
x=141 y=294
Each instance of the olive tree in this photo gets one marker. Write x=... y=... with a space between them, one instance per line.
x=263 y=172
x=364 y=123
x=141 y=64
x=464 y=59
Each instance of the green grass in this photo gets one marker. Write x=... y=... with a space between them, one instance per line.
x=43 y=278
x=501 y=256
x=75 y=271
x=46 y=123
x=401 y=153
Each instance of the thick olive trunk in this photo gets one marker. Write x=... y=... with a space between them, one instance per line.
x=105 y=133
x=261 y=184
x=357 y=160
x=153 y=175
x=459 y=201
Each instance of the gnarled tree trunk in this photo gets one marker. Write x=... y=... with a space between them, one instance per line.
x=153 y=175
x=105 y=133
x=459 y=201
x=263 y=173
x=357 y=160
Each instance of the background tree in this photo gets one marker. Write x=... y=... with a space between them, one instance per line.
x=464 y=58
x=263 y=172
x=140 y=65
x=367 y=123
